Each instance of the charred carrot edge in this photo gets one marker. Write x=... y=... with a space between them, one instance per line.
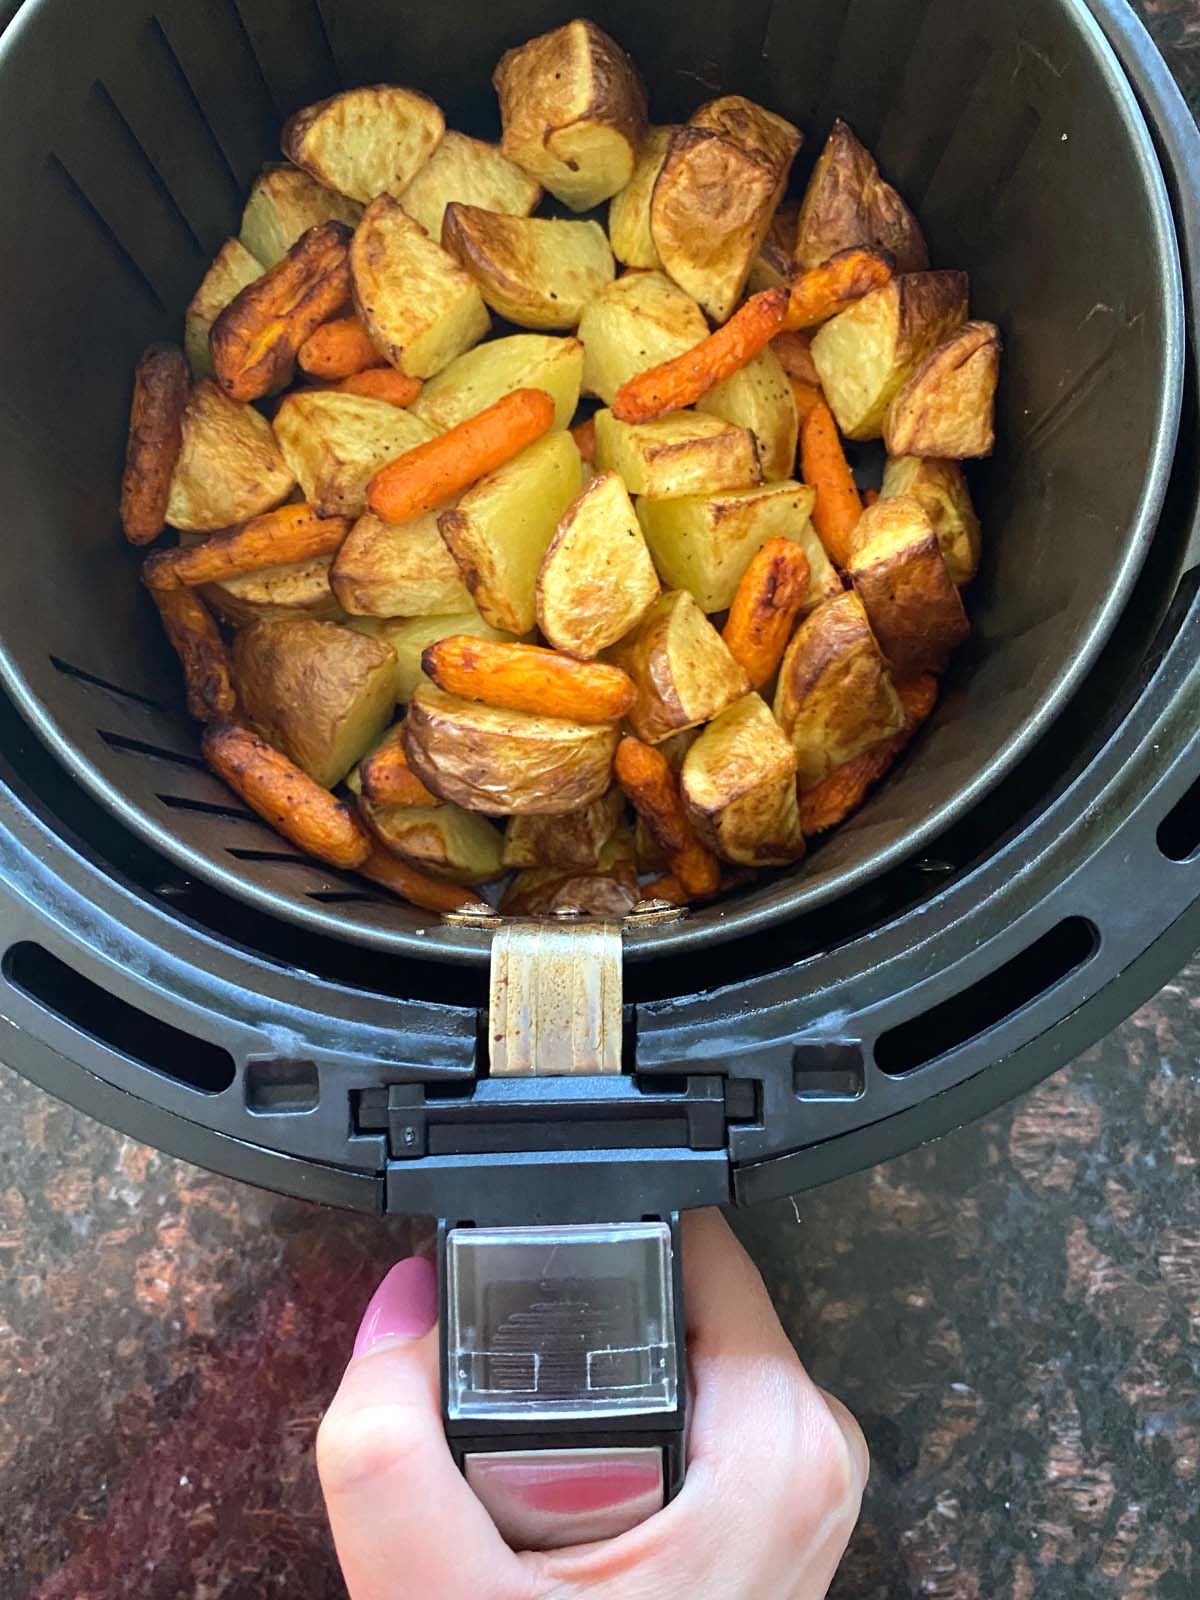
x=794 y=350
x=822 y=292
x=418 y=888
x=160 y=396
x=870 y=498
x=584 y=435
x=688 y=377
x=381 y=383
x=765 y=605
x=526 y=677
x=388 y=780
x=650 y=784
x=284 y=796
x=202 y=653
x=833 y=799
x=289 y=533
x=423 y=478
x=338 y=349
x=823 y=465
x=806 y=396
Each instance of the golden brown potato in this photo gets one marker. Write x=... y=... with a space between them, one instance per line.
x=335 y=443
x=501 y=529
x=445 y=841
x=942 y=492
x=365 y=142
x=283 y=204
x=410 y=637
x=946 y=408
x=704 y=543
x=571 y=841
x=738 y=785
x=297 y=589
x=898 y=572
x=835 y=696
x=505 y=763
x=573 y=109
x=685 y=452
x=484 y=375
x=596 y=580
x=318 y=692
x=773 y=265
x=232 y=269
x=629 y=213
x=469 y=170
x=609 y=889
x=229 y=468
x=537 y=272
x=847 y=204
x=388 y=569
x=758 y=396
x=635 y=323
x=683 y=671
x=866 y=354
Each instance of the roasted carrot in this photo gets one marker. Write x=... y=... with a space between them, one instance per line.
x=643 y=773
x=388 y=780
x=526 y=677
x=338 y=349
x=806 y=396
x=766 y=604
x=202 y=653
x=870 y=498
x=289 y=533
x=823 y=465
x=160 y=396
x=686 y=378
x=418 y=888
x=822 y=292
x=666 y=889
x=584 y=435
x=833 y=799
x=293 y=803
x=425 y=477
x=794 y=350
x=381 y=383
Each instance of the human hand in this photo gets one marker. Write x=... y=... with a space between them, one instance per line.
x=775 y=1468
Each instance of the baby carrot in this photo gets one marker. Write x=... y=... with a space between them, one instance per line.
x=837 y=507
x=767 y=602
x=823 y=291
x=338 y=349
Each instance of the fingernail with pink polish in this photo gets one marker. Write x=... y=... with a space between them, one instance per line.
x=405 y=1306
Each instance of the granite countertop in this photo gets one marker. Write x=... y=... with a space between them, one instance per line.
x=1014 y=1313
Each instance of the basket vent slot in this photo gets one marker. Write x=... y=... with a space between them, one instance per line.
x=155 y=752
x=1179 y=831
x=206 y=808
x=112 y=244
x=282 y=1087
x=68 y=671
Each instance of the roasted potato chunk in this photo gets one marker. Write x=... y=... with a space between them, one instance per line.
x=835 y=696
x=481 y=376
x=475 y=173
x=847 y=203
x=365 y=142
x=537 y=272
x=739 y=787
x=419 y=306
x=681 y=666
x=501 y=529
x=941 y=489
x=445 y=841
x=335 y=443
x=388 y=569
x=229 y=467
x=571 y=841
x=573 y=109
x=505 y=763
x=866 y=354
x=946 y=407
x=283 y=204
x=232 y=269
x=897 y=569
x=773 y=265
x=685 y=452
x=635 y=323
x=758 y=396
x=318 y=692
x=629 y=213
x=410 y=637
x=296 y=589
x=596 y=580
x=704 y=543
x=609 y=889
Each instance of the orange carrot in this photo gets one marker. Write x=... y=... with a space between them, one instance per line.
x=766 y=604
x=643 y=773
x=202 y=652
x=794 y=350
x=381 y=383
x=160 y=397
x=287 y=534
x=338 y=349
x=584 y=435
x=806 y=396
x=822 y=292
x=388 y=780
x=431 y=894
x=870 y=497
x=525 y=677
x=846 y=787
x=686 y=378
x=837 y=507
x=667 y=889
x=424 y=478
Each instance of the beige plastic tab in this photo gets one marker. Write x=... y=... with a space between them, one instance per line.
x=555 y=1000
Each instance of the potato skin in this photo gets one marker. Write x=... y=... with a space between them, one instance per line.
x=575 y=840
x=946 y=407
x=160 y=397
x=444 y=840
x=397 y=570
x=629 y=212
x=941 y=489
x=738 y=785
x=683 y=453
x=898 y=572
x=609 y=889
x=229 y=467
x=284 y=203
x=682 y=667
x=847 y=203
x=365 y=142
x=537 y=272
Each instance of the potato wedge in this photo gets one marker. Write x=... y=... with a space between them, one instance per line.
x=629 y=212
x=596 y=580
x=773 y=265
x=897 y=570
x=573 y=109
x=388 y=569
x=739 y=787
x=481 y=376
x=475 y=173
x=232 y=269
x=443 y=840
x=320 y=693
x=572 y=841
x=283 y=204
x=946 y=409
x=759 y=397
x=635 y=323
x=537 y=272
x=835 y=696
x=365 y=142
x=683 y=671
x=866 y=354
x=847 y=786
x=409 y=637
x=506 y=762
x=501 y=529
x=685 y=452
x=609 y=889
x=941 y=489
x=847 y=203
x=297 y=589
x=419 y=306
x=335 y=443
x=229 y=467
x=704 y=543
